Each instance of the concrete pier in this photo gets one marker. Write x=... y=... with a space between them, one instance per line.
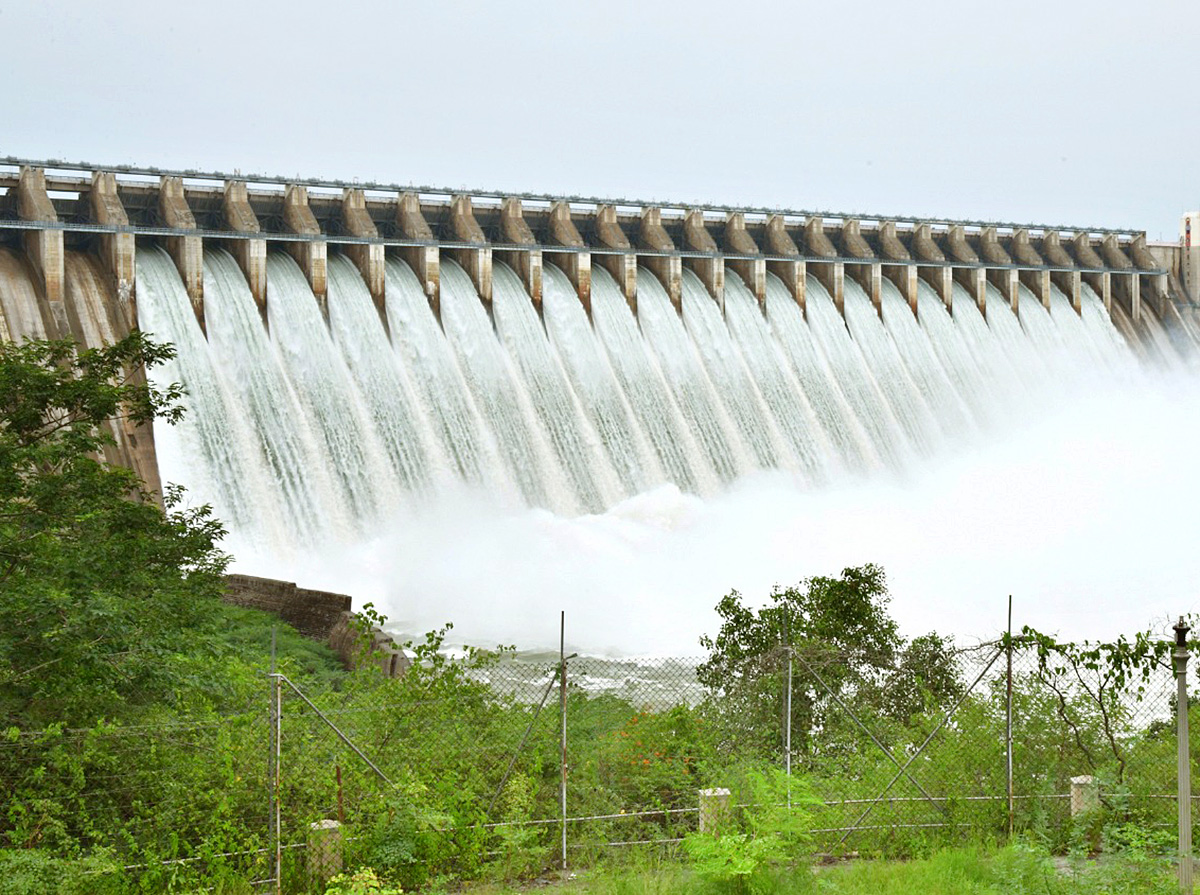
x=711 y=271
x=870 y=275
x=576 y=265
x=623 y=267
x=832 y=275
x=476 y=261
x=1155 y=289
x=424 y=260
x=753 y=271
x=44 y=249
x=1127 y=286
x=1004 y=279
x=117 y=250
x=1070 y=282
x=187 y=251
x=369 y=259
x=251 y=254
x=527 y=263
x=973 y=279
x=1100 y=281
x=903 y=275
x=939 y=277
x=309 y=254
x=1036 y=281
x=668 y=268
x=792 y=273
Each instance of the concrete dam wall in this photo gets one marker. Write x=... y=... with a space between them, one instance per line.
x=352 y=348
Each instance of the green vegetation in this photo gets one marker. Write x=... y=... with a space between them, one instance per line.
x=134 y=721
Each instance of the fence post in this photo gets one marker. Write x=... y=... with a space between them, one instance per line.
x=1180 y=656
x=274 y=730
x=562 y=703
x=1008 y=736
x=787 y=707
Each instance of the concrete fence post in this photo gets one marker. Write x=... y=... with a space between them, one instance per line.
x=714 y=810
x=1180 y=657
x=1085 y=795
x=324 y=852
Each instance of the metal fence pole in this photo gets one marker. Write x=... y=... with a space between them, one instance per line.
x=1180 y=655
x=276 y=770
x=787 y=708
x=562 y=703
x=1008 y=718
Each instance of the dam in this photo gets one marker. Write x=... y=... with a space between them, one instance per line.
x=357 y=353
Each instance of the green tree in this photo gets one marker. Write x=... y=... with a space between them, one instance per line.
x=103 y=592
x=843 y=641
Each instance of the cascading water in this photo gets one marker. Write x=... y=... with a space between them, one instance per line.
x=437 y=468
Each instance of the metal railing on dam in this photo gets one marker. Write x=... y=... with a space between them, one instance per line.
x=50 y=204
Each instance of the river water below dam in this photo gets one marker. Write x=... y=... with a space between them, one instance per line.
x=497 y=468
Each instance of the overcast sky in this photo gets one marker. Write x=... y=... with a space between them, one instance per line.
x=1052 y=112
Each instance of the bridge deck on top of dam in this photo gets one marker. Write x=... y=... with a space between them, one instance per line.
x=49 y=205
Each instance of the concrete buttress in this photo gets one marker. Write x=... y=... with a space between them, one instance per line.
x=476 y=261
x=869 y=275
x=711 y=270
x=903 y=275
x=668 y=268
x=622 y=264
x=526 y=262
x=117 y=250
x=973 y=279
x=310 y=254
x=793 y=273
x=578 y=264
x=1005 y=278
x=1069 y=281
x=940 y=278
x=251 y=254
x=1023 y=252
x=367 y=257
x=423 y=259
x=45 y=250
x=753 y=271
x=833 y=274
x=1128 y=287
x=1100 y=281
x=187 y=251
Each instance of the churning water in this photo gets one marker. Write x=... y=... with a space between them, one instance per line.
x=501 y=465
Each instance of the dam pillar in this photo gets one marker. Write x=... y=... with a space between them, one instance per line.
x=868 y=275
x=903 y=275
x=667 y=267
x=1156 y=286
x=44 y=249
x=527 y=263
x=187 y=251
x=117 y=250
x=1037 y=281
x=941 y=278
x=1127 y=285
x=310 y=254
x=423 y=259
x=1005 y=278
x=476 y=260
x=833 y=275
x=577 y=264
x=368 y=257
x=792 y=273
x=1099 y=280
x=1069 y=281
x=753 y=270
x=875 y=286
x=710 y=270
x=251 y=254
x=972 y=277
x=621 y=263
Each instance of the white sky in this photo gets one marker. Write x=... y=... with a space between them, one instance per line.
x=1050 y=112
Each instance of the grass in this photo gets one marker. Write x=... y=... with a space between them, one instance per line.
x=1016 y=870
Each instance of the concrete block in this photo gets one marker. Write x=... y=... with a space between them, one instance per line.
x=753 y=271
x=117 y=250
x=578 y=264
x=527 y=263
x=251 y=254
x=424 y=260
x=668 y=268
x=187 y=251
x=715 y=809
x=1085 y=795
x=623 y=265
x=368 y=257
x=711 y=270
x=324 y=853
x=815 y=239
x=476 y=261
x=309 y=254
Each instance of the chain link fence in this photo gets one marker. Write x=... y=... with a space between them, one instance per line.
x=504 y=764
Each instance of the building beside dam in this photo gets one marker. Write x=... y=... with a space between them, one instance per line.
x=346 y=345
